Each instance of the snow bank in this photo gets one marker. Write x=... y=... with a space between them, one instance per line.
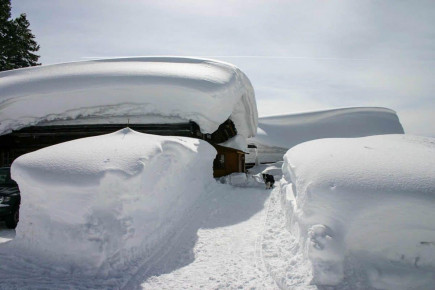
x=363 y=209
x=277 y=134
x=101 y=203
x=144 y=90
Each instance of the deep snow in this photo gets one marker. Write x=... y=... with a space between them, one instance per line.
x=277 y=134
x=99 y=204
x=142 y=90
x=231 y=237
x=359 y=218
x=363 y=209
x=135 y=211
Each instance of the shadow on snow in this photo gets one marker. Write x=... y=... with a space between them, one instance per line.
x=221 y=206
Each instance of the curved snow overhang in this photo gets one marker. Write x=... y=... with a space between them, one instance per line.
x=142 y=90
x=286 y=131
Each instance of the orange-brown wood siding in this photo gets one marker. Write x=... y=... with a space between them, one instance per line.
x=234 y=161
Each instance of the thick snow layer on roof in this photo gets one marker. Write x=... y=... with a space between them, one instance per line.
x=286 y=131
x=100 y=203
x=238 y=142
x=363 y=209
x=145 y=90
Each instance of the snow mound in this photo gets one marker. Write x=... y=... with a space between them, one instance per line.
x=102 y=203
x=144 y=90
x=277 y=134
x=363 y=209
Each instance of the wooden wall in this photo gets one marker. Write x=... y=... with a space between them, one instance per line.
x=228 y=160
x=17 y=143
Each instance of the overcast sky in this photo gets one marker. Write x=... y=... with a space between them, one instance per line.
x=299 y=55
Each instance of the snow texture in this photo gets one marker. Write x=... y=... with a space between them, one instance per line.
x=230 y=237
x=103 y=203
x=144 y=90
x=277 y=134
x=363 y=209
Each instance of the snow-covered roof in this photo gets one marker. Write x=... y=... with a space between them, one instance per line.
x=286 y=131
x=143 y=89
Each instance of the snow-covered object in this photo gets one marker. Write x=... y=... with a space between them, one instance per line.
x=363 y=208
x=276 y=133
x=103 y=202
x=144 y=90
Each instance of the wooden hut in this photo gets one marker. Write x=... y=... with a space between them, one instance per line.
x=170 y=96
x=227 y=161
x=28 y=139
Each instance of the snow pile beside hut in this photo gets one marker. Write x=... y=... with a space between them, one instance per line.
x=103 y=203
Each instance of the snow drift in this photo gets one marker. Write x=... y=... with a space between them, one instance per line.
x=144 y=90
x=277 y=134
x=100 y=203
x=363 y=209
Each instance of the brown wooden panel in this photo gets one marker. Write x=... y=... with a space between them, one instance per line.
x=234 y=161
x=33 y=138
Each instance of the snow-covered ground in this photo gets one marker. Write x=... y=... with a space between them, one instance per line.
x=230 y=237
x=277 y=134
x=241 y=243
x=359 y=215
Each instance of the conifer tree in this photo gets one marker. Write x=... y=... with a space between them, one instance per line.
x=17 y=44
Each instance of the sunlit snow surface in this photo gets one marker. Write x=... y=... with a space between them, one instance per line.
x=131 y=211
x=363 y=209
x=277 y=134
x=100 y=203
x=142 y=90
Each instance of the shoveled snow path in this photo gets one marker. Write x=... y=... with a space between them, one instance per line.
x=224 y=246
x=235 y=250
x=281 y=251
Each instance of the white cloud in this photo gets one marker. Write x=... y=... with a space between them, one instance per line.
x=419 y=121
